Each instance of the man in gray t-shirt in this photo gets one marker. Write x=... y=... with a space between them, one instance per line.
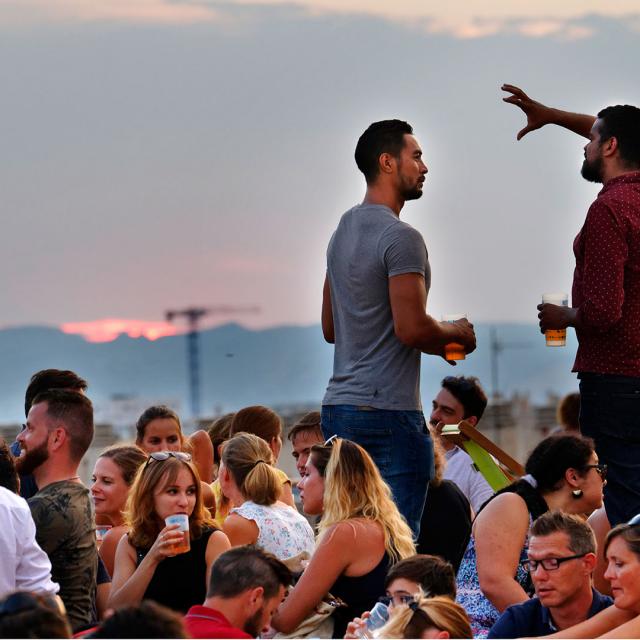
x=374 y=310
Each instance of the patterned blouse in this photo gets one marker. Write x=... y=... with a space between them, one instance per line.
x=282 y=530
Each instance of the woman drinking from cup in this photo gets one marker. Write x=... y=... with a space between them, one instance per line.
x=149 y=562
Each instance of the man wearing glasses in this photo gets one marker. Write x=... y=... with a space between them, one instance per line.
x=561 y=559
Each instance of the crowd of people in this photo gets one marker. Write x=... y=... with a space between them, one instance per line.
x=391 y=530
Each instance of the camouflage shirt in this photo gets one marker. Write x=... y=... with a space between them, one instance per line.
x=65 y=530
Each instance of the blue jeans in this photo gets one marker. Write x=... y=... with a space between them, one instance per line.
x=400 y=445
x=610 y=414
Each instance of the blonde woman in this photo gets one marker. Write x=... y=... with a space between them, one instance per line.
x=437 y=617
x=250 y=481
x=146 y=567
x=361 y=534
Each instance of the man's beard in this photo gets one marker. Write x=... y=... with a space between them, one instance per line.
x=252 y=624
x=29 y=461
x=411 y=192
x=592 y=171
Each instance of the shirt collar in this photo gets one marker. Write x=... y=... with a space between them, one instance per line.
x=630 y=177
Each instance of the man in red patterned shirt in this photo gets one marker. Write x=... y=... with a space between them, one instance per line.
x=606 y=292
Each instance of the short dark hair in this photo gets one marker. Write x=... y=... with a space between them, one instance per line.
x=51 y=379
x=551 y=458
x=468 y=392
x=153 y=413
x=386 y=136
x=310 y=422
x=8 y=474
x=147 y=620
x=32 y=615
x=247 y=567
x=580 y=534
x=75 y=412
x=622 y=122
x=435 y=576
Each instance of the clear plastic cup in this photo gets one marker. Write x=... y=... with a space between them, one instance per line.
x=556 y=337
x=454 y=350
x=183 y=545
x=378 y=617
x=101 y=532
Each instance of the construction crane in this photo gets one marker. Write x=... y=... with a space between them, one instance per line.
x=497 y=347
x=193 y=316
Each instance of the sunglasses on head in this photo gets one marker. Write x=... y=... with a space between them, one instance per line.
x=635 y=521
x=161 y=456
x=331 y=441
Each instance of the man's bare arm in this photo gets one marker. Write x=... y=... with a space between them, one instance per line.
x=327 y=313
x=539 y=114
x=415 y=327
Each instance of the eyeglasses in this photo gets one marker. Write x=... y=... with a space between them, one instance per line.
x=635 y=521
x=161 y=456
x=548 y=564
x=601 y=469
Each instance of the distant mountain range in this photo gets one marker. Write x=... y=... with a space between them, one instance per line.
x=277 y=366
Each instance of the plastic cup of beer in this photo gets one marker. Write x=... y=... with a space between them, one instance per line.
x=101 y=532
x=556 y=337
x=183 y=545
x=454 y=350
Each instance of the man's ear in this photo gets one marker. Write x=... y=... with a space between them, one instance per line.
x=610 y=146
x=386 y=163
x=590 y=560
x=472 y=420
x=256 y=596
x=57 y=437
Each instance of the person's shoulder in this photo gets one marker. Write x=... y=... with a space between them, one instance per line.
x=11 y=500
x=516 y=621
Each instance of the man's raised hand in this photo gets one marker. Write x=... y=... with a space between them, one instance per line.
x=537 y=114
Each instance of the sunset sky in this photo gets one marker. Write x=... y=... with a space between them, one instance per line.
x=158 y=154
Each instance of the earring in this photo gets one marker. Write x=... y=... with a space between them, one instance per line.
x=577 y=494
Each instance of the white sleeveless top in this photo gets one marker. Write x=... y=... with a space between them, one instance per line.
x=282 y=530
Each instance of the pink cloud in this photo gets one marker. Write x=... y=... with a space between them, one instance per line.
x=109 y=329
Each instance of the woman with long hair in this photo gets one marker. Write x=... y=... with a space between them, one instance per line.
x=563 y=474
x=113 y=475
x=146 y=565
x=159 y=429
x=253 y=486
x=361 y=534
x=437 y=617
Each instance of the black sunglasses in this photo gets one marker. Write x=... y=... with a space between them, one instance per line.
x=161 y=456
x=601 y=469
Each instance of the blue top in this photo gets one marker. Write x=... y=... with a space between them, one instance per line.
x=28 y=486
x=532 y=619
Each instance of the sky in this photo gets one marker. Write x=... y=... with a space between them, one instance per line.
x=160 y=154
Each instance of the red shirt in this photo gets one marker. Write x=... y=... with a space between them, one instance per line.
x=203 y=622
x=606 y=281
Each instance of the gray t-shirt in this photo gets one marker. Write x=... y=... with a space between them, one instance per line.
x=371 y=367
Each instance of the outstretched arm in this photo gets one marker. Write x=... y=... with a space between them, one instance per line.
x=539 y=114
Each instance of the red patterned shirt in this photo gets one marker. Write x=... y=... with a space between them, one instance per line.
x=606 y=281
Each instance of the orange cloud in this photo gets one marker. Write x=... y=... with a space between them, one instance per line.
x=109 y=329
